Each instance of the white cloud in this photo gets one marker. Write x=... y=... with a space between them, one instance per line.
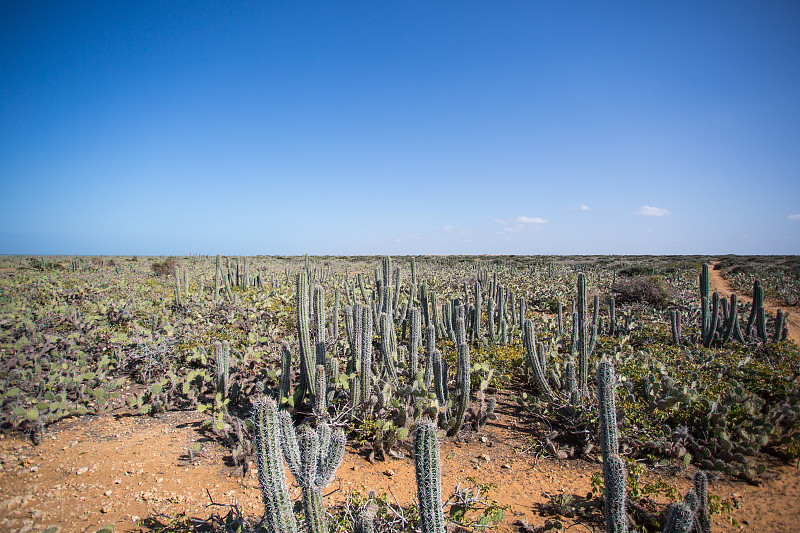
x=447 y=229
x=649 y=211
x=503 y=222
x=529 y=220
x=794 y=217
x=585 y=207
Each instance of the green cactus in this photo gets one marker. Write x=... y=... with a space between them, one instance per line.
x=490 y=318
x=313 y=457
x=680 y=518
x=178 y=299
x=319 y=324
x=415 y=339
x=583 y=341
x=388 y=355
x=278 y=513
x=429 y=478
x=365 y=361
x=307 y=357
x=286 y=372
x=609 y=434
x=539 y=373
x=478 y=311
x=701 y=490
x=462 y=389
x=430 y=349
x=614 y=491
x=675 y=324
x=222 y=363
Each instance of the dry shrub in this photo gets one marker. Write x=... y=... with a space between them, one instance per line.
x=164 y=268
x=646 y=290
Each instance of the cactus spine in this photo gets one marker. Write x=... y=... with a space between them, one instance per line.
x=319 y=324
x=222 y=363
x=539 y=372
x=278 y=513
x=415 y=339
x=307 y=357
x=429 y=478
x=313 y=457
x=583 y=342
x=462 y=388
x=613 y=466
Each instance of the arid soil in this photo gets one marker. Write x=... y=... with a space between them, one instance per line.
x=120 y=469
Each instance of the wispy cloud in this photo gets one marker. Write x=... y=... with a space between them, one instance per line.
x=648 y=211
x=794 y=217
x=447 y=229
x=531 y=220
x=521 y=223
x=585 y=207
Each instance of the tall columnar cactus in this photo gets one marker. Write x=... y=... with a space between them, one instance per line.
x=614 y=484
x=709 y=333
x=388 y=354
x=612 y=317
x=313 y=457
x=606 y=383
x=222 y=363
x=539 y=373
x=365 y=361
x=478 y=311
x=396 y=303
x=583 y=334
x=307 y=357
x=217 y=278
x=761 y=324
x=335 y=317
x=560 y=324
x=701 y=490
x=462 y=389
x=675 y=324
x=758 y=303
x=178 y=299
x=286 y=372
x=319 y=325
x=427 y=466
x=430 y=349
x=780 y=326
x=278 y=513
x=321 y=386
x=490 y=318
x=415 y=339
x=613 y=466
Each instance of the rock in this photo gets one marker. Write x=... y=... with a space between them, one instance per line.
x=389 y=472
x=82 y=470
x=507 y=466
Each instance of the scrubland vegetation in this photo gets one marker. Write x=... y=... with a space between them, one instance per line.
x=629 y=361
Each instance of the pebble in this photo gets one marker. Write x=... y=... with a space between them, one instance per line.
x=82 y=470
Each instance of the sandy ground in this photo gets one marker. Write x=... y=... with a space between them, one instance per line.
x=118 y=469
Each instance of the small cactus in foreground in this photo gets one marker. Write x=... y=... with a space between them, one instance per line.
x=278 y=513
x=429 y=478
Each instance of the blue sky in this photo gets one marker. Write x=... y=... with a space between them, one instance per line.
x=400 y=127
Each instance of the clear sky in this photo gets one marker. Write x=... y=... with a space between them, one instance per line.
x=534 y=127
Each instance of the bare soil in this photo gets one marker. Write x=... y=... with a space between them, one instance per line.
x=118 y=469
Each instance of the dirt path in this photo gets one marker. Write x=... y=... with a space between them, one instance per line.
x=119 y=469
x=719 y=284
